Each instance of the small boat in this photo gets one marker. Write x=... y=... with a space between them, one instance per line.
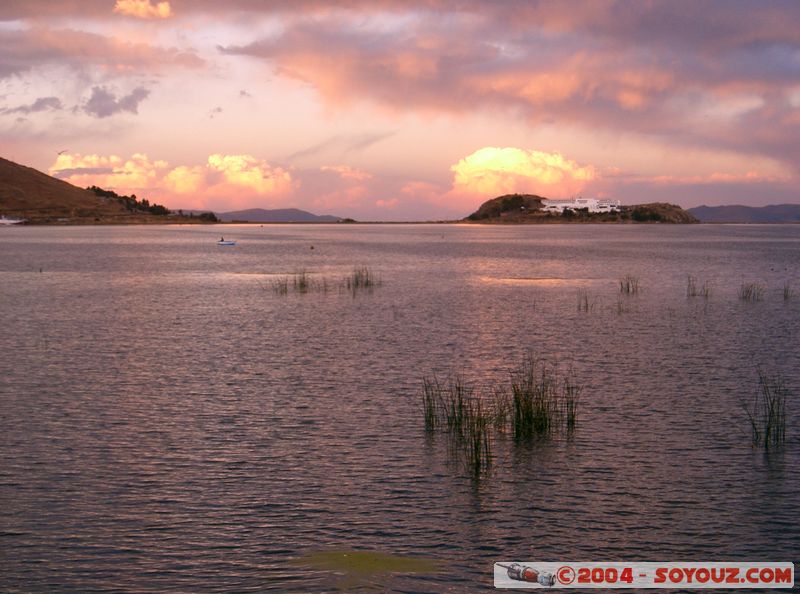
x=226 y=242
x=10 y=221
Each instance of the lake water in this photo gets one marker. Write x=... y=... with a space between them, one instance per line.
x=168 y=421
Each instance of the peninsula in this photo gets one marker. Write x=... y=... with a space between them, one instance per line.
x=532 y=209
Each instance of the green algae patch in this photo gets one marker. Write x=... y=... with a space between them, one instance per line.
x=366 y=563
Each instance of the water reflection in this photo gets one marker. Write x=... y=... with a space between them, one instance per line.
x=166 y=423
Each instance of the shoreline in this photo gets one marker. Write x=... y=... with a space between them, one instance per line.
x=118 y=223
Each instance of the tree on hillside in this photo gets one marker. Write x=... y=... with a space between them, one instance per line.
x=131 y=202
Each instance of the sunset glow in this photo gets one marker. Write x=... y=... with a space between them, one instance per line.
x=491 y=171
x=400 y=109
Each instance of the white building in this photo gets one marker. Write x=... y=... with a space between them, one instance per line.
x=592 y=204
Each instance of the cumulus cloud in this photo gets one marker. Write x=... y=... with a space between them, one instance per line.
x=41 y=104
x=491 y=171
x=104 y=103
x=229 y=180
x=185 y=179
x=250 y=172
x=143 y=9
x=112 y=172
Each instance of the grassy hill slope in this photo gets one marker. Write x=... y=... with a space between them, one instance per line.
x=37 y=197
x=41 y=199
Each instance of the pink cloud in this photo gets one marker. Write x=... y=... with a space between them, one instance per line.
x=347 y=172
x=748 y=177
x=492 y=171
x=717 y=79
x=612 y=65
x=23 y=50
x=143 y=9
x=133 y=174
x=223 y=182
x=388 y=203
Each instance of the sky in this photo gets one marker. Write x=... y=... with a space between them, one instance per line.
x=405 y=109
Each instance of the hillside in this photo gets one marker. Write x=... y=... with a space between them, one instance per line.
x=32 y=195
x=278 y=215
x=774 y=213
x=658 y=212
x=509 y=207
x=527 y=208
x=42 y=199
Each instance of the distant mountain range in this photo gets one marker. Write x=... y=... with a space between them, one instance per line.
x=775 y=213
x=277 y=215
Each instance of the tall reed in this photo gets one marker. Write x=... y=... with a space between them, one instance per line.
x=475 y=443
x=533 y=392
x=767 y=411
x=629 y=285
x=584 y=303
x=693 y=290
x=536 y=403
x=361 y=278
x=431 y=397
x=301 y=282
x=788 y=293
x=751 y=292
x=280 y=285
x=571 y=396
x=542 y=402
x=455 y=407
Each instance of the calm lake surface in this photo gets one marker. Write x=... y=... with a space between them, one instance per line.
x=169 y=422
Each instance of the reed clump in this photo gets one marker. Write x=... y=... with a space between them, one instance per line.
x=766 y=411
x=629 y=285
x=695 y=290
x=537 y=403
x=454 y=407
x=585 y=303
x=302 y=282
x=361 y=279
x=474 y=442
x=751 y=292
x=541 y=401
x=788 y=292
x=280 y=285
